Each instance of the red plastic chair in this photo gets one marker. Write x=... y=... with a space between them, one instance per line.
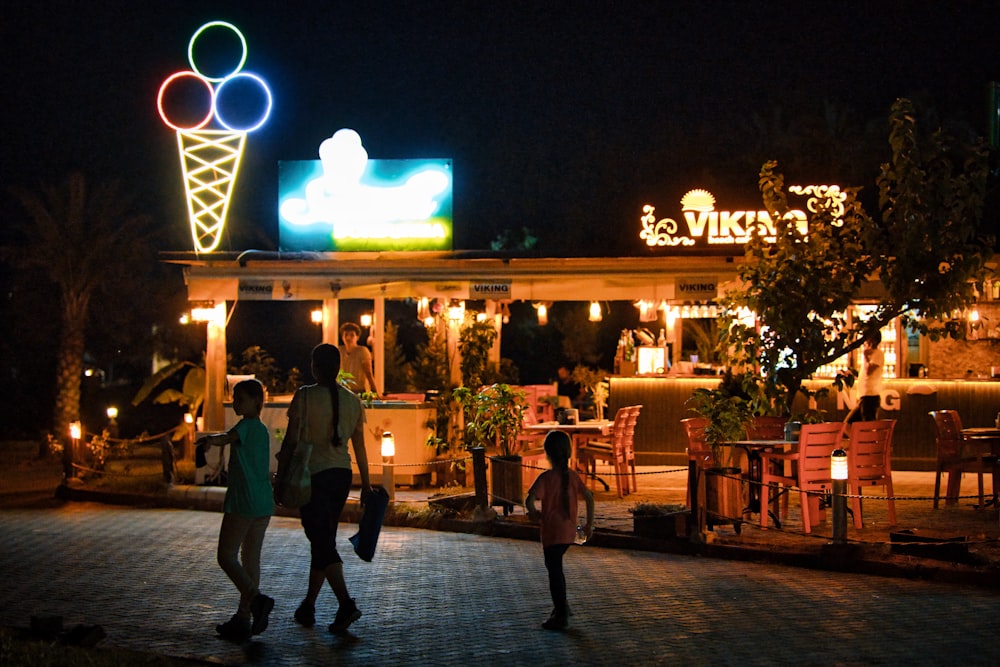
x=952 y=459
x=611 y=452
x=811 y=470
x=869 y=463
x=629 y=444
x=698 y=451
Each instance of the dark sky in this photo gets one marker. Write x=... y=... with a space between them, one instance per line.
x=561 y=116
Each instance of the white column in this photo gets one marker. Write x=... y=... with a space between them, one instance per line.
x=378 y=349
x=213 y=413
x=331 y=321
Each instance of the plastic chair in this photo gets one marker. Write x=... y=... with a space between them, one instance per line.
x=869 y=463
x=544 y=405
x=762 y=428
x=698 y=451
x=629 y=444
x=612 y=453
x=811 y=472
x=950 y=458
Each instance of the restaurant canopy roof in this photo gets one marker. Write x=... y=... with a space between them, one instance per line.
x=309 y=276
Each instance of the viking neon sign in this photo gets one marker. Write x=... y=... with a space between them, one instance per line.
x=210 y=156
x=702 y=223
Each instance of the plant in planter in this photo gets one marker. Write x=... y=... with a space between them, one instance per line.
x=659 y=521
x=493 y=417
x=595 y=384
x=728 y=411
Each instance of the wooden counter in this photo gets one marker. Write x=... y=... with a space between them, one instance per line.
x=660 y=440
x=406 y=420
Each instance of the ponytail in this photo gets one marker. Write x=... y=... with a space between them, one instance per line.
x=326 y=368
x=558 y=449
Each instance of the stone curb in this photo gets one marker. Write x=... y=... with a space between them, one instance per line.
x=848 y=559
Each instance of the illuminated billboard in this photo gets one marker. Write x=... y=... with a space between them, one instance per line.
x=347 y=202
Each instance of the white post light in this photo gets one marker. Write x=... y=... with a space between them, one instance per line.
x=839 y=473
x=69 y=453
x=388 y=474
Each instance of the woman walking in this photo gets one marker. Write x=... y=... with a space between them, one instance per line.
x=327 y=415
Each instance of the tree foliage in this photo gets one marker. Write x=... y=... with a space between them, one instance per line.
x=926 y=248
x=86 y=241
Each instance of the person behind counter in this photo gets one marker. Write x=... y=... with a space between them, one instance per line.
x=356 y=360
x=870 y=380
x=568 y=388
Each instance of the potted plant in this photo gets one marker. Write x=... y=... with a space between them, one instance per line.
x=596 y=385
x=728 y=409
x=493 y=417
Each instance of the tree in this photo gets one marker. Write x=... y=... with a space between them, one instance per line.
x=82 y=240
x=927 y=248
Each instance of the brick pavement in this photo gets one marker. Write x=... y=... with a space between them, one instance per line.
x=149 y=577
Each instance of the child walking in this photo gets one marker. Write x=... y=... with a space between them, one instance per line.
x=248 y=507
x=558 y=489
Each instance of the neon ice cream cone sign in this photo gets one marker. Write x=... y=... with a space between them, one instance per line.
x=211 y=145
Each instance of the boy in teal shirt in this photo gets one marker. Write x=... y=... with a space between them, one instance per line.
x=248 y=507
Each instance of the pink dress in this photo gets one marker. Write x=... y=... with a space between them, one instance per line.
x=557 y=528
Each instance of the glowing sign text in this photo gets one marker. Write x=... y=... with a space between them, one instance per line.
x=727 y=228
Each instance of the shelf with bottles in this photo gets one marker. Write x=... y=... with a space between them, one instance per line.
x=888 y=346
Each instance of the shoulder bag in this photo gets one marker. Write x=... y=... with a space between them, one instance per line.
x=294 y=481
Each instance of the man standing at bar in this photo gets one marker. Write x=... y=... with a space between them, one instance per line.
x=870 y=380
x=356 y=360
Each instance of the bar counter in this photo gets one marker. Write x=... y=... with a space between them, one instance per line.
x=407 y=420
x=660 y=440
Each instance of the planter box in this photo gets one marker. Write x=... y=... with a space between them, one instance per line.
x=505 y=478
x=661 y=526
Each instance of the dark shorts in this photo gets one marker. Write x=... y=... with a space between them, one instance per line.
x=321 y=515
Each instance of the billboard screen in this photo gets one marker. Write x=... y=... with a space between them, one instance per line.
x=364 y=205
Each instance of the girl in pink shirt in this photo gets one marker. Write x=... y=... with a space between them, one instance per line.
x=558 y=490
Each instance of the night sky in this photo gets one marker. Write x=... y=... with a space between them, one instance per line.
x=561 y=117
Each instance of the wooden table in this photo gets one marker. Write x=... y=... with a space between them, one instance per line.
x=755 y=472
x=579 y=432
x=986 y=435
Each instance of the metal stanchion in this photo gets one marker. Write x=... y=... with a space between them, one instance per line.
x=479 y=476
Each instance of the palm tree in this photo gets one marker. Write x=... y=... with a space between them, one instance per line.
x=81 y=239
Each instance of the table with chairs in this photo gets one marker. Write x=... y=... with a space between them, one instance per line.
x=763 y=433
x=775 y=467
x=617 y=450
x=961 y=450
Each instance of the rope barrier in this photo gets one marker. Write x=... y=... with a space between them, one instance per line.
x=106 y=473
x=139 y=440
x=495 y=499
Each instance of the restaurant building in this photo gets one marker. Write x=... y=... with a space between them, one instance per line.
x=354 y=228
x=668 y=289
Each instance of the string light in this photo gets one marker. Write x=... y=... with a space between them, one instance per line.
x=595 y=312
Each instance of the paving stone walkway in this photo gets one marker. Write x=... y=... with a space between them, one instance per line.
x=149 y=577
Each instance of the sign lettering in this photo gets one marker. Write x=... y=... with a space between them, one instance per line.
x=701 y=225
